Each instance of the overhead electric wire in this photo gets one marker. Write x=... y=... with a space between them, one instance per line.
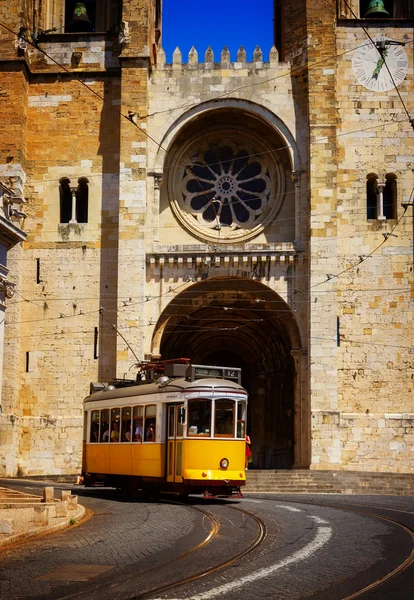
x=202 y=251
x=172 y=328
x=126 y=303
x=101 y=312
x=307 y=276
x=270 y=151
x=386 y=237
x=342 y=185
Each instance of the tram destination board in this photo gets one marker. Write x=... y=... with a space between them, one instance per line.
x=208 y=372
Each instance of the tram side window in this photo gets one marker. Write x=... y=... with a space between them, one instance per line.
x=105 y=425
x=150 y=423
x=199 y=417
x=126 y=424
x=241 y=420
x=224 y=418
x=138 y=423
x=94 y=438
x=115 y=417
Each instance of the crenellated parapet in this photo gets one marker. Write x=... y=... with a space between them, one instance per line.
x=257 y=60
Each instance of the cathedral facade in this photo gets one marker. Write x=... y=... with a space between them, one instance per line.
x=249 y=211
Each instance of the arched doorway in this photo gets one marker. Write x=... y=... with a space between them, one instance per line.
x=243 y=323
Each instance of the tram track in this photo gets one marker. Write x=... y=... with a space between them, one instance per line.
x=262 y=532
x=227 y=533
x=366 y=510
x=121 y=583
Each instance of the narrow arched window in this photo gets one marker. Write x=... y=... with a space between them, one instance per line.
x=390 y=196
x=65 y=200
x=372 y=190
x=82 y=199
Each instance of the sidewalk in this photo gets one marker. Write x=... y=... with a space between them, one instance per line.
x=27 y=515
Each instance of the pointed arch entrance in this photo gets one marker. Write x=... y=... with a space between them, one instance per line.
x=243 y=323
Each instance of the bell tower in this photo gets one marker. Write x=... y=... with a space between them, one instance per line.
x=74 y=73
x=351 y=73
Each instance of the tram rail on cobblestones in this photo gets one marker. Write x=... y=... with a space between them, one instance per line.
x=181 y=430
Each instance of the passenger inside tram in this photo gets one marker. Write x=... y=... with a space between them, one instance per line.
x=138 y=431
x=115 y=432
x=150 y=431
x=226 y=426
x=126 y=431
x=137 y=424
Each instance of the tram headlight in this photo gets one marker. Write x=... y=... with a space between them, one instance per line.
x=224 y=463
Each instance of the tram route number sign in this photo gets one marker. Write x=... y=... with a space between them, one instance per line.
x=205 y=371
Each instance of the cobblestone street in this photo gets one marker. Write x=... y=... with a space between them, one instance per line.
x=312 y=547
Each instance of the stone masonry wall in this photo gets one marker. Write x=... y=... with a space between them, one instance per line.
x=132 y=199
x=70 y=271
x=375 y=299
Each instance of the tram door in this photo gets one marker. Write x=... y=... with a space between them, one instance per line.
x=176 y=417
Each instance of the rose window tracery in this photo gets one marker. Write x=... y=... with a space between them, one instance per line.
x=232 y=185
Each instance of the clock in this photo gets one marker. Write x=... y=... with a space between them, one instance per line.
x=370 y=64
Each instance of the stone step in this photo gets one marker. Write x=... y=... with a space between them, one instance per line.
x=7 y=502
x=16 y=495
x=4 y=507
x=340 y=482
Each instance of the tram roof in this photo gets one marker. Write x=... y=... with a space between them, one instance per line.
x=146 y=389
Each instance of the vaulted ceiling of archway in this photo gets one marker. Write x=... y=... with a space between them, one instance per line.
x=229 y=315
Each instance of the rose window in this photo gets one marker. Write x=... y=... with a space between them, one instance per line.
x=228 y=190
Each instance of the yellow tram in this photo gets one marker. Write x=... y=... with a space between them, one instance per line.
x=181 y=431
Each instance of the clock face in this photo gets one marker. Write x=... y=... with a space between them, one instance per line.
x=370 y=67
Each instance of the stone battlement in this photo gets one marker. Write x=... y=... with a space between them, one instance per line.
x=225 y=59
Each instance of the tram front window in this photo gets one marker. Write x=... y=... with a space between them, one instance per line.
x=241 y=420
x=224 y=418
x=199 y=417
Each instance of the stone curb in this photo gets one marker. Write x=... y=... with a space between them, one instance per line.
x=34 y=531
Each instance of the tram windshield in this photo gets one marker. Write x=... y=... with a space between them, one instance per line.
x=229 y=418
x=224 y=418
x=199 y=417
x=241 y=420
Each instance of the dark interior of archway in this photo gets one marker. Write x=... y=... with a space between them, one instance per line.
x=242 y=330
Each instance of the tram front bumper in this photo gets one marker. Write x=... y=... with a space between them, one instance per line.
x=215 y=477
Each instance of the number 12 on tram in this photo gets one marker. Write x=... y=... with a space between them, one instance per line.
x=183 y=435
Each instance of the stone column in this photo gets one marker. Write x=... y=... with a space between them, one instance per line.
x=157 y=178
x=296 y=175
x=73 y=191
x=380 y=202
x=301 y=415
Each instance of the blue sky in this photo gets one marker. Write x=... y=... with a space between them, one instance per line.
x=231 y=23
